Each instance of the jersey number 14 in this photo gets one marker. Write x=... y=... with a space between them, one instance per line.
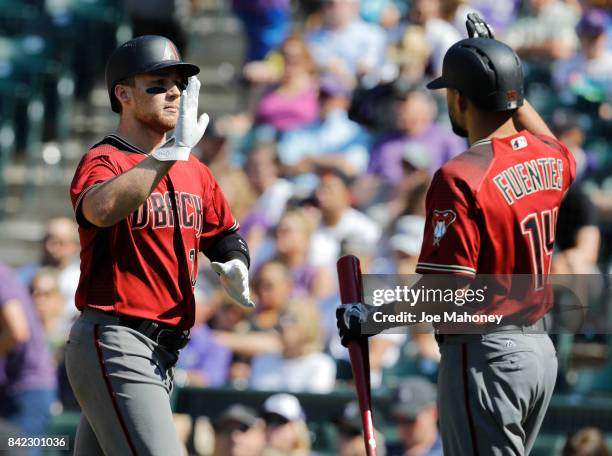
x=539 y=228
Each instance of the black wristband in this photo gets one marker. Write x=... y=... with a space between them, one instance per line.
x=228 y=246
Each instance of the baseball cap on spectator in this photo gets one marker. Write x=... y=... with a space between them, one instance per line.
x=412 y=396
x=349 y=422
x=594 y=22
x=408 y=235
x=236 y=414
x=332 y=86
x=282 y=408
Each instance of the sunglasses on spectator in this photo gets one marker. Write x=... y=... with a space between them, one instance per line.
x=230 y=428
x=274 y=420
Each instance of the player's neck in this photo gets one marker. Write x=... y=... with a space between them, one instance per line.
x=139 y=135
x=485 y=128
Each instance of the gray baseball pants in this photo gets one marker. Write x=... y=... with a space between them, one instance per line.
x=493 y=392
x=122 y=381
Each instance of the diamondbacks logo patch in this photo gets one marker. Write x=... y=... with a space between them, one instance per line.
x=441 y=221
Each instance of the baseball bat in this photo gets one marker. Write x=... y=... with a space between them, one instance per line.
x=351 y=291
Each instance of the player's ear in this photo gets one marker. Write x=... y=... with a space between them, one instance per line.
x=123 y=93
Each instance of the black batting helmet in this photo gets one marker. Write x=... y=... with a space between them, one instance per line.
x=142 y=55
x=487 y=71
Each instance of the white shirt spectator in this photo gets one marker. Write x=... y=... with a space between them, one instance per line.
x=326 y=241
x=358 y=45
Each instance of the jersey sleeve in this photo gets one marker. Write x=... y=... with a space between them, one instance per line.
x=218 y=217
x=567 y=154
x=451 y=242
x=95 y=167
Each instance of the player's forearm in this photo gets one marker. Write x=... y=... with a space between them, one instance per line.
x=117 y=198
x=527 y=118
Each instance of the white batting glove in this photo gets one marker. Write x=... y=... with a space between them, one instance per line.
x=234 y=277
x=189 y=128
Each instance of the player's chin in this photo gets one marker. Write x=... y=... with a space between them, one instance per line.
x=167 y=120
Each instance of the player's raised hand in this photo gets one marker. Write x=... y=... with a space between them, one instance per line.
x=235 y=279
x=477 y=27
x=189 y=127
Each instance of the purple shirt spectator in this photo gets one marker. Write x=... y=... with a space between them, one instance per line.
x=430 y=150
x=29 y=365
x=260 y=5
x=205 y=355
x=286 y=112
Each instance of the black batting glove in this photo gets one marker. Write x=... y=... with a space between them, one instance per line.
x=349 y=318
x=477 y=27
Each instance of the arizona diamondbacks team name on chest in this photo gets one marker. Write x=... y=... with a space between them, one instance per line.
x=158 y=211
x=522 y=179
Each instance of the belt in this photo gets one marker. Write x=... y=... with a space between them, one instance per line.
x=537 y=327
x=169 y=337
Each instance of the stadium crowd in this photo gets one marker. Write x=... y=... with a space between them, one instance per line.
x=331 y=152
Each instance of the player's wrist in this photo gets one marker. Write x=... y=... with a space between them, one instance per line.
x=171 y=153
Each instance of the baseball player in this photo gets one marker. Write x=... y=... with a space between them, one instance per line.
x=145 y=208
x=491 y=210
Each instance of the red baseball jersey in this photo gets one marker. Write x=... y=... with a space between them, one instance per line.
x=493 y=210
x=146 y=265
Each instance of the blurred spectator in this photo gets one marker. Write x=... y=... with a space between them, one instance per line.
x=272 y=191
x=288 y=98
x=334 y=140
x=49 y=304
x=272 y=285
x=418 y=139
x=169 y=18
x=349 y=437
x=27 y=374
x=286 y=430
x=301 y=334
x=237 y=189
x=547 y=34
x=239 y=432
x=345 y=45
x=203 y=361
x=414 y=411
x=266 y=25
x=440 y=34
x=589 y=72
x=60 y=249
x=386 y=13
x=578 y=235
x=411 y=54
x=586 y=442
x=293 y=235
x=406 y=243
x=293 y=101
x=339 y=221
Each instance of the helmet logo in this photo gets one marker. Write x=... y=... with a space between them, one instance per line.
x=511 y=99
x=170 y=52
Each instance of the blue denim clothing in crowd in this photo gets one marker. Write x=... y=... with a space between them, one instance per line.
x=336 y=134
x=359 y=43
x=266 y=25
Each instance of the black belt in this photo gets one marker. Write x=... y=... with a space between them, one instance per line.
x=537 y=327
x=168 y=336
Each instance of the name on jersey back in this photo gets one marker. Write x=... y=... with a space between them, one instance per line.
x=531 y=176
